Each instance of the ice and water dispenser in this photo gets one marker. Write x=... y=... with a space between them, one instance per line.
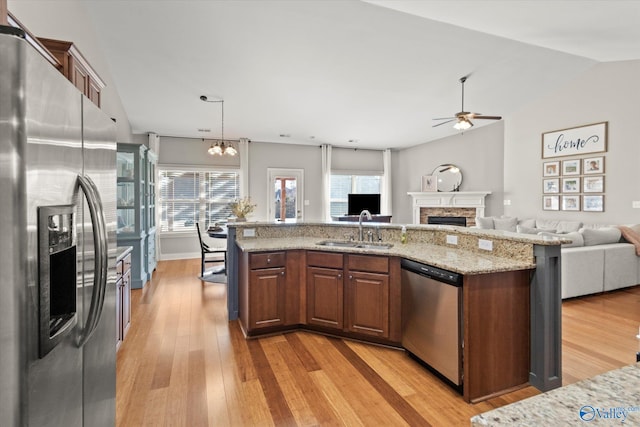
x=57 y=269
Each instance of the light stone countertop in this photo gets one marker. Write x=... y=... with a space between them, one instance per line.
x=612 y=398
x=122 y=251
x=458 y=260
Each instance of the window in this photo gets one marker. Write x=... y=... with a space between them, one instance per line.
x=187 y=196
x=342 y=185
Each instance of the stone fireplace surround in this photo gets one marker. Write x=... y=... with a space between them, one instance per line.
x=468 y=204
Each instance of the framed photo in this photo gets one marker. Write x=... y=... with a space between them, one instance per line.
x=551 y=169
x=571 y=185
x=550 y=203
x=570 y=203
x=551 y=185
x=571 y=167
x=429 y=183
x=575 y=141
x=593 y=165
x=593 y=203
x=593 y=184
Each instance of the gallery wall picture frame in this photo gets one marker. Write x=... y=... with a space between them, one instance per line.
x=550 y=203
x=593 y=203
x=570 y=203
x=586 y=139
x=551 y=168
x=571 y=185
x=429 y=183
x=551 y=185
x=571 y=167
x=593 y=184
x=593 y=165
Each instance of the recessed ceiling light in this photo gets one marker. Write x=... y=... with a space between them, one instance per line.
x=204 y=130
x=354 y=140
x=285 y=135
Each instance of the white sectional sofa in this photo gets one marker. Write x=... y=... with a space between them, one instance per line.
x=599 y=259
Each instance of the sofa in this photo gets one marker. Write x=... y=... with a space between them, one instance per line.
x=599 y=258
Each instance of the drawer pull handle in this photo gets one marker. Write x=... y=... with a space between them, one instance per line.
x=268 y=260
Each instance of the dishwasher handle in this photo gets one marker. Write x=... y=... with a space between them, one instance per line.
x=432 y=272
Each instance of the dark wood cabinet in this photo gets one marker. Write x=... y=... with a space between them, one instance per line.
x=325 y=289
x=269 y=291
x=266 y=297
x=123 y=298
x=367 y=295
x=76 y=68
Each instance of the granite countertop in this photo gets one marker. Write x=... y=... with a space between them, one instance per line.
x=610 y=397
x=122 y=251
x=457 y=260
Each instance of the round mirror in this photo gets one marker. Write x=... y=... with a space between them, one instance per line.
x=448 y=177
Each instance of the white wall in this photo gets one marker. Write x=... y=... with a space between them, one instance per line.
x=607 y=92
x=478 y=153
x=68 y=20
x=263 y=155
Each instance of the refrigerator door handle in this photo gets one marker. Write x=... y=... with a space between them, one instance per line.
x=101 y=258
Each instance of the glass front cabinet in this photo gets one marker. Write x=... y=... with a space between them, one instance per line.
x=136 y=209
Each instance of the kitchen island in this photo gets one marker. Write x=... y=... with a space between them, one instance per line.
x=288 y=276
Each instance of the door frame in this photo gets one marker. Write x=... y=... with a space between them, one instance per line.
x=298 y=174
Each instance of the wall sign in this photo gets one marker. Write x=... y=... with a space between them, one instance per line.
x=575 y=141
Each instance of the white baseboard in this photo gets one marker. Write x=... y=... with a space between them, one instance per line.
x=175 y=256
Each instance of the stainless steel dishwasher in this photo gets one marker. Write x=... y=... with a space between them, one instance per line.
x=432 y=317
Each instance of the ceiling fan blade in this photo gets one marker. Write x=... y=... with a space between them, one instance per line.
x=445 y=118
x=444 y=123
x=488 y=117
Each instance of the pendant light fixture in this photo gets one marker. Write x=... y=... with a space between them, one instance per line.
x=220 y=148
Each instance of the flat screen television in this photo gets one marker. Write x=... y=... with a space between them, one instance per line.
x=359 y=202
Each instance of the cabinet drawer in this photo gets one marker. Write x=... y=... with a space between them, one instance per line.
x=126 y=263
x=266 y=260
x=374 y=264
x=324 y=259
x=119 y=269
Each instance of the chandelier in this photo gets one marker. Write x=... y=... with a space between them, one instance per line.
x=219 y=148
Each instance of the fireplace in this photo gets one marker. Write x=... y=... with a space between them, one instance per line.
x=447 y=220
x=467 y=204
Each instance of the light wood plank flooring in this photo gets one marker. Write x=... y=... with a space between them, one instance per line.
x=184 y=364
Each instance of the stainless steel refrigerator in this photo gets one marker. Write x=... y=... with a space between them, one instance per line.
x=57 y=263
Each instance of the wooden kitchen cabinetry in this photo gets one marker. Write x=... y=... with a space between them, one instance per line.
x=269 y=297
x=325 y=289
x=123 y=298
x=75 y=68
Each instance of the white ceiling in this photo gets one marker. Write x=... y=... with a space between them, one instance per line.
x=336 y=71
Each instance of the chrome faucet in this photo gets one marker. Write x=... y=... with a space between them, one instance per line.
x=368 y=214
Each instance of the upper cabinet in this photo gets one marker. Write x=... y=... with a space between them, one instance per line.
x=76 y=68
x=136 y=209
x=3 y=12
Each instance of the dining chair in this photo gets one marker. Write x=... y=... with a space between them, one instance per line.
x=205 y=251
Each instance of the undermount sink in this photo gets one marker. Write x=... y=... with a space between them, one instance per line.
x=358 y=245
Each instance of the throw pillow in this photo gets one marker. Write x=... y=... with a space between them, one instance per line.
x=631 y=236
x=575 y=237
x=507 y=224
x=531 y=230
x=530 y=222
x=485 y=222
x=601 y=236
x=568 y=226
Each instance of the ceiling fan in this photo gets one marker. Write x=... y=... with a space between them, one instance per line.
x=462 y=118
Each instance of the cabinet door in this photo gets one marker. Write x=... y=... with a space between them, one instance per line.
x=368 y=303
x=118 y=313
x=266 y=297
x=325 y=290
x=126 y=303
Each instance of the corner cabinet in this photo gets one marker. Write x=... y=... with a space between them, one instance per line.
x=136 y=209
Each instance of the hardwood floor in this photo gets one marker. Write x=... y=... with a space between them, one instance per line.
x=184 y=364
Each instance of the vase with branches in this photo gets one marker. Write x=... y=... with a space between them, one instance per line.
x=241 y=208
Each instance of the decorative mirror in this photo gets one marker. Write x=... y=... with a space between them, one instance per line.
x=448 y=177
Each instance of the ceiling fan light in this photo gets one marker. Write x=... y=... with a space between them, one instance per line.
x=462 y=124
x=230 y=150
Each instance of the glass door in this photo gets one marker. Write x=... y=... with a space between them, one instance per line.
x=285 y=194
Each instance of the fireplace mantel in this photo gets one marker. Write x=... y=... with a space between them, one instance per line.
x=444 y=200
